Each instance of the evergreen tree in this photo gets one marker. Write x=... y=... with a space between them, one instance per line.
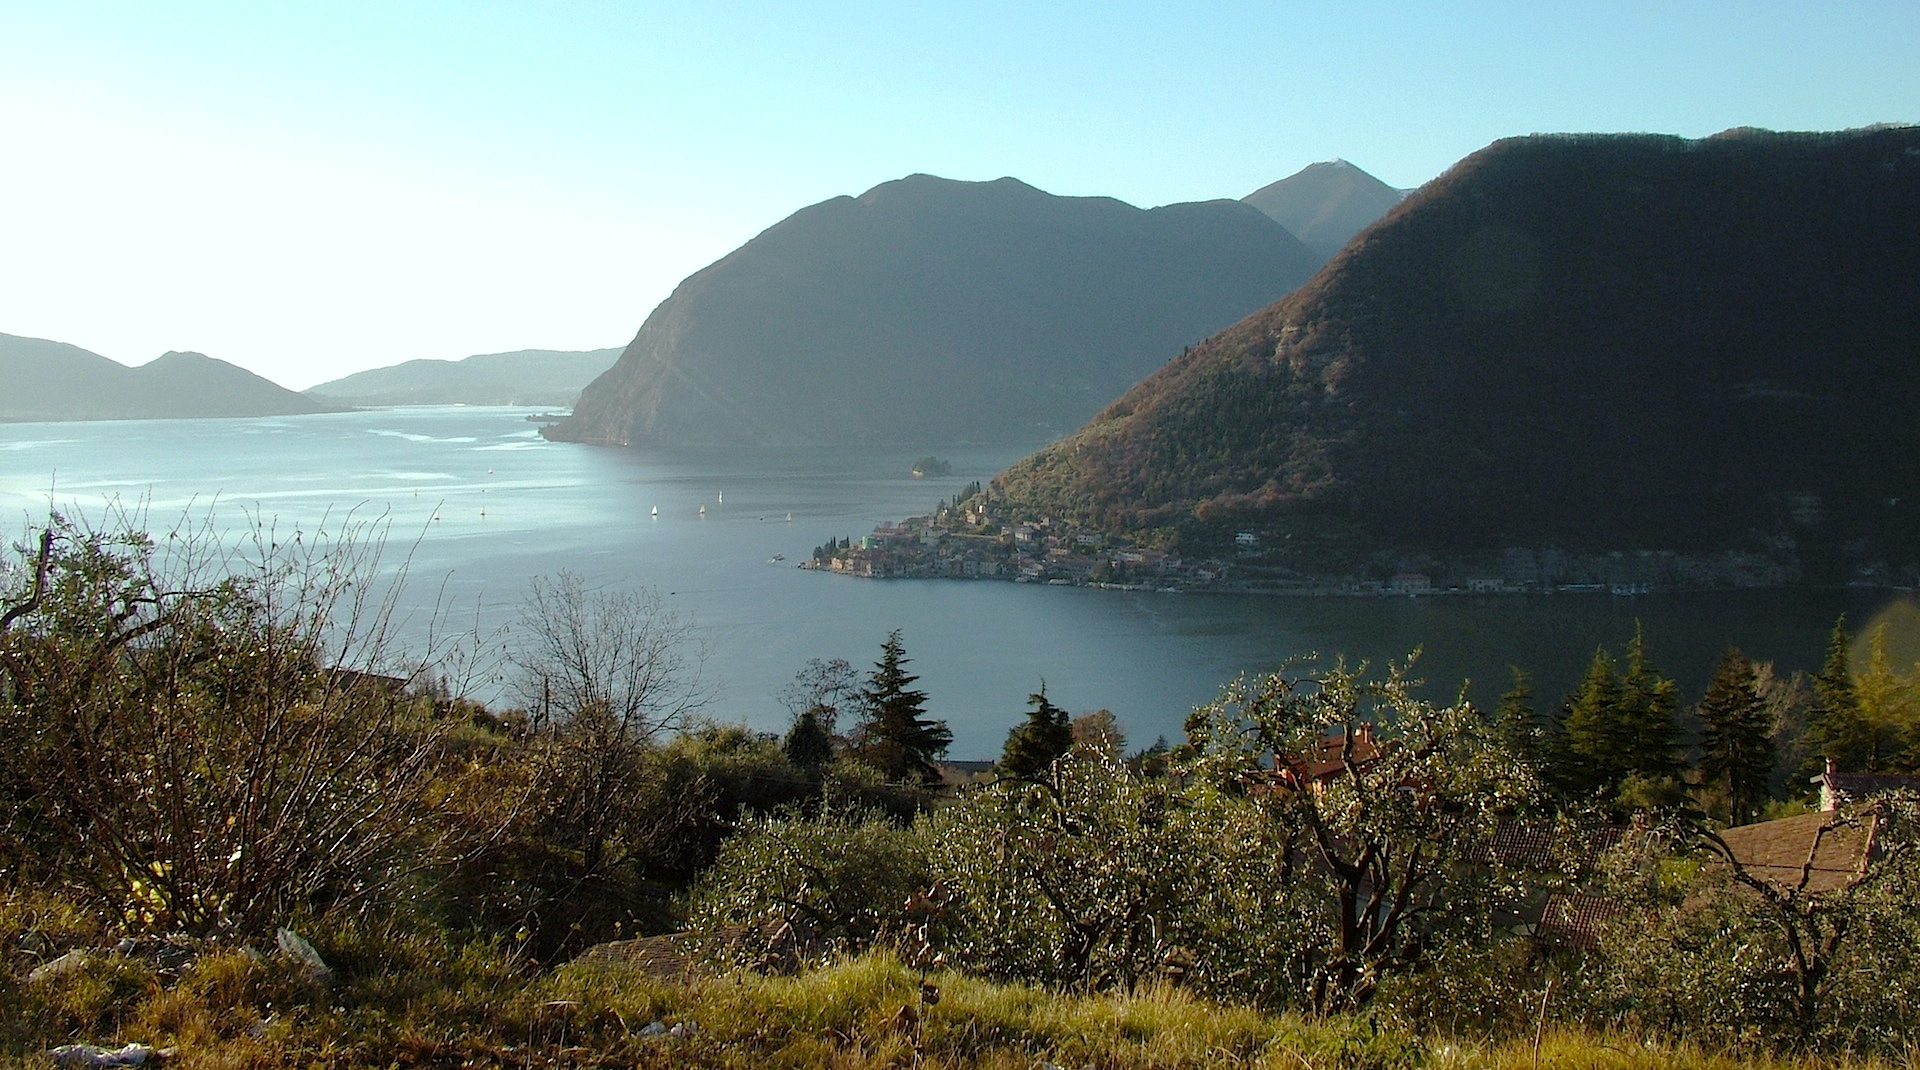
x=1515 y=724
x=897 y=737
x=1837 y=727
x=1587 y=758
x=1034 y=745
x=809 y=743
x=1736 y=746
x=1650 y=711
x=1618 y=728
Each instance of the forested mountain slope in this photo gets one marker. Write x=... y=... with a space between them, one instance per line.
x=1602 y=342
x=522 y=377
x=935 y=312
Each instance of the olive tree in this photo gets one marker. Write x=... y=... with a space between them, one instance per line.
x=211 y=734
x=1382 y=831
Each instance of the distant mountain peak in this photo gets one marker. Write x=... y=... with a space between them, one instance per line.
x=1607 y=343
x=55 y=381
x=934 y=312
x=1325 y=204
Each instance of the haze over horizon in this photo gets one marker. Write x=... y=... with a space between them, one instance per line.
x=310 y=192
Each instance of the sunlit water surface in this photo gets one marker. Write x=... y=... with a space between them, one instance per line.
x=476 y=503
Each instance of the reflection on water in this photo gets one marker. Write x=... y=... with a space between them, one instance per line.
x=477 y=503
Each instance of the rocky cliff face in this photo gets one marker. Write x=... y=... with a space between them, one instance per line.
x=933 y=312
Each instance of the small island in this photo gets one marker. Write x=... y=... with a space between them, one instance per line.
x=931 y=466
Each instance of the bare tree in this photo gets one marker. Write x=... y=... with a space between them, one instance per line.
x=617 y=654
x=605 y=674
x=212 y=734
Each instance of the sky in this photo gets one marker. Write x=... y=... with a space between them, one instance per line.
x=308 y=190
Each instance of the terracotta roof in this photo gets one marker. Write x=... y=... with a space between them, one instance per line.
x=1328 y=761
x=1542 y=844
x=1575 y=919
x=1813 y=853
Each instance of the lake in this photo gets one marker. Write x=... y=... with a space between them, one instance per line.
x=479 y=503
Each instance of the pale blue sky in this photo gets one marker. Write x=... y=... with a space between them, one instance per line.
x=308 y=190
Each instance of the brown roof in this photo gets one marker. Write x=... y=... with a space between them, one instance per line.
x=1812 y=853
x=1330 y=759
x=1575 y=919
x=1542 y=844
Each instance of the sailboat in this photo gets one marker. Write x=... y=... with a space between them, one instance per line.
x=656 y=510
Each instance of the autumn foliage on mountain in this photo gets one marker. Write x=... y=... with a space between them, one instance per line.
x=1601 y=342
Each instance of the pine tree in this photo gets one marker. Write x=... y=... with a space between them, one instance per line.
x=1588 y=758
x=1837 y=727
x=896 y=737
x=1736 y=746
x=1515 y=724
x=1618 y=728
x=1649 y=716
x=1035 y=744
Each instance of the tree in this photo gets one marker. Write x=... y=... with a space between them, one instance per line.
x=815 y=695
x=623 y=655
x=1649 y=716
x=1516 y=724
x=1736 y=746
x=1587 y=758
x=825 y=686
x=212 y=736
x=1101 y=731
x=1383 y=838
x=1811 y=923
x=1618 y=739
x=606 y=674
x=1037 y=743
x=1078 y=878
x=896 y=737
x=1863 y=720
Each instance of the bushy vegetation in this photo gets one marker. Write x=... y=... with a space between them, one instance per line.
x=215 y=752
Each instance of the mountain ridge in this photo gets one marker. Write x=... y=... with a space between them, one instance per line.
x=930 y=312
x=1613 y=341
x=518 y=377
x=1326 y=204
x=55 y=381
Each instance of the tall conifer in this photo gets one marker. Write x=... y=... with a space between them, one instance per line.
x=1736 y=745
x=897 y=737
x=1036 y=743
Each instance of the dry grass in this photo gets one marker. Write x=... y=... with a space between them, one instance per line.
x=408 y=1002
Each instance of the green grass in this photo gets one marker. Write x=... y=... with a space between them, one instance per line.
x=404 y=1001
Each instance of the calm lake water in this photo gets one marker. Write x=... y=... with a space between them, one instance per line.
x=481 y=504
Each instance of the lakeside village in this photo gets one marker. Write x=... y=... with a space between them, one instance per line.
x=969 y=539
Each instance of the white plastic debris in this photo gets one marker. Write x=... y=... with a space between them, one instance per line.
x=88 y=1055
x=292 y=944
x=65 y=964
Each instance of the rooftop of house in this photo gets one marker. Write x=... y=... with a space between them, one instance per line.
x=1811 y=853
x=1335 y=751
x=1576 y=919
